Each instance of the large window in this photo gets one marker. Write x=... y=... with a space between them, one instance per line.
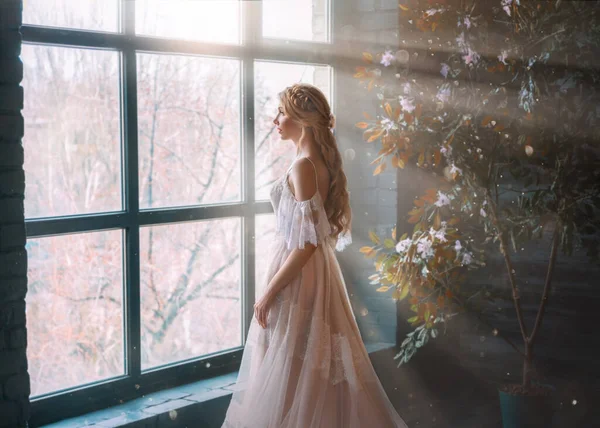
x=149 y=155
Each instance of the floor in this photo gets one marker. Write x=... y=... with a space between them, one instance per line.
x=440 y=394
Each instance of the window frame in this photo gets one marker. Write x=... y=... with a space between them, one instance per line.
x=133 y=383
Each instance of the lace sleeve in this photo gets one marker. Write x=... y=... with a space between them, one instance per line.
x=300 y=222
x=343 y=240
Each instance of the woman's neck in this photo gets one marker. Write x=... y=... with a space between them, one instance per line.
x=307 y=147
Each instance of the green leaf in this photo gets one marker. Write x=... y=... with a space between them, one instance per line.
x=374 y=237
x=389 y=243
x=404 y=292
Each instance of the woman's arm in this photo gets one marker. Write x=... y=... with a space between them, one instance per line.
x=290 y=269
x=304 y=183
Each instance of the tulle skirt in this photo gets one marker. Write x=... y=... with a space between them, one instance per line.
x=309 y=368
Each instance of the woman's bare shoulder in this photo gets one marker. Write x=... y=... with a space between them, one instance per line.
x=303 y=179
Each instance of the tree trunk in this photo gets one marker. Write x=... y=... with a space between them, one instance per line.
x=527 y=365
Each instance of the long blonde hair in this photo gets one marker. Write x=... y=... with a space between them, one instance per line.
x=307 y=105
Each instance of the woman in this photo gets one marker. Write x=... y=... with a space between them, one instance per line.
x=304 y=364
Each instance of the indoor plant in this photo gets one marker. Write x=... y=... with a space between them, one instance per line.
x=509 y=131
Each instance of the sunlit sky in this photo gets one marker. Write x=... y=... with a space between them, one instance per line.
x=206 y=20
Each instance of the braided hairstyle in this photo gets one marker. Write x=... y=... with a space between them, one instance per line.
x=307 y=105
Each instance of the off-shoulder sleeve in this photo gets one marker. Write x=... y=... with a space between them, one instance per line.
x=343 y=240
x=300 y=222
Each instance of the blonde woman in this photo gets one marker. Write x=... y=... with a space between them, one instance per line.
x=304 y=364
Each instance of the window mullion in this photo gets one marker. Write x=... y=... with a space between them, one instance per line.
x=251 y=23
x=132 y=205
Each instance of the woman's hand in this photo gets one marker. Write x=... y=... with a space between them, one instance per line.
x=261 y=309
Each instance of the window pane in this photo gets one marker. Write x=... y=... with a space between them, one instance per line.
x=72 y=131
x=189 y=130
x=216 y=21
x=274 y=156
x=96 y=15
x=296 y=19
x=265 y=236
x=190 y=290
x=74 y=310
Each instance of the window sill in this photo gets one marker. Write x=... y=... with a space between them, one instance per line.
x=199 y=404
x=195 y=405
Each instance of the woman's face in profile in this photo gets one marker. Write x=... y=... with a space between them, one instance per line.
x=287 y=128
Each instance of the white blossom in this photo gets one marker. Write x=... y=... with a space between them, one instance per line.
x=442 y=200
x=446 y=151
x=471 y=57
x=455 y=170
x=482 y=213
x=502 y=57
x=406 y=103
x=439 y=234
x=387 y=58
x=457 y=246
x=403 y=245
x=468 y=21
x=506 y=6
x=445 y=69
x=424 y=248
x=467 y=258
x=443 y=94
x=387 y=124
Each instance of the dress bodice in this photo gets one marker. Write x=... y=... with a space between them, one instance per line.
x=299 y=222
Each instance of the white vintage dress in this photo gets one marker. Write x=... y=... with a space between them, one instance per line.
x=309 y=368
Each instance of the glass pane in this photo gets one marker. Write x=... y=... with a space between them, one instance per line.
x=296 y=19
x=74 y=310
x=189 y=130
x=72 y=131
x=274 y=156
x=216 y=21
x=96 y=15
x=190 y=290
x=265 y=236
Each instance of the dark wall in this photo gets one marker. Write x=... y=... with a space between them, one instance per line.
x=365 y=25
x=14 y=379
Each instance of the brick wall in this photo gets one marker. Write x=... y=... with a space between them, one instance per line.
x=14 y=379
x=365 y=25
